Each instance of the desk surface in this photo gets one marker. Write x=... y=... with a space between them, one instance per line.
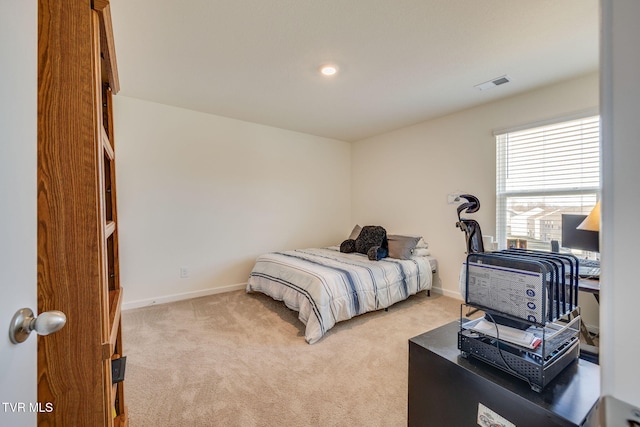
x=589 y=285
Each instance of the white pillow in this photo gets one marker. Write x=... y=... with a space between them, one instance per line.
x=420 y=252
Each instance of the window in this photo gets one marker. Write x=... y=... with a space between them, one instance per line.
x=543 y=172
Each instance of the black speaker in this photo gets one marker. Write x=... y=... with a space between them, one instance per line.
x=555 y=246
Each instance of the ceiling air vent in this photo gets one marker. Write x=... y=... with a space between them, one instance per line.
x=493 y=83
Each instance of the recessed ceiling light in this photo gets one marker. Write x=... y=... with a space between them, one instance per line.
x=328 y=70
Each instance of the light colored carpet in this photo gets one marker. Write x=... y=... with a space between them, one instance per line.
x=238 y=359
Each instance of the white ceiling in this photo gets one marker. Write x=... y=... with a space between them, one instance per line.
x=401 y=61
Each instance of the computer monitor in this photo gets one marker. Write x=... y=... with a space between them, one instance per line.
x=572 y=238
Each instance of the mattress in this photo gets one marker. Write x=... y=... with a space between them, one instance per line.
x=326 y=286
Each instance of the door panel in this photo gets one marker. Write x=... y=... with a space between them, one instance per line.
x=18 y=111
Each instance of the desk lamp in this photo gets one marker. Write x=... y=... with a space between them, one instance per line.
x=592 y=221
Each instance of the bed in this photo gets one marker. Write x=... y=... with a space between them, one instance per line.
x=326 y=286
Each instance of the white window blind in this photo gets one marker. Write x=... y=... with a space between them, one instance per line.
x=542 y=173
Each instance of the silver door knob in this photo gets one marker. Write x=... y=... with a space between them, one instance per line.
x=24 y=322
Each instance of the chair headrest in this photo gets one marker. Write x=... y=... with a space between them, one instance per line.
x=471 y=206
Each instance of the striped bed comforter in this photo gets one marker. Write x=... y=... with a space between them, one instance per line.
x=326 y=286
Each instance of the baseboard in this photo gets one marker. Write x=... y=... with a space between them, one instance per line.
x=230 y=288
x=179 y=297
x=448 y=293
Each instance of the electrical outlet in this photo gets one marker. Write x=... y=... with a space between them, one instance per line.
x=184 y=272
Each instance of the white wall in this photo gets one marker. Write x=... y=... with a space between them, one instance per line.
x=400 y=180
x=620 y=294
x=211 y=194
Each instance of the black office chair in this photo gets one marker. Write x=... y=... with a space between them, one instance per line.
x=473 y=236
x=471 y=228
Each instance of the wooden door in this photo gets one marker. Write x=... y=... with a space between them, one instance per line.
x=77 y=228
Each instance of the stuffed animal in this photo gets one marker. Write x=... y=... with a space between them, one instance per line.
x=372 y=241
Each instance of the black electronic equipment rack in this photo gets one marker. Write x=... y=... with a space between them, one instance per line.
x=532 y=318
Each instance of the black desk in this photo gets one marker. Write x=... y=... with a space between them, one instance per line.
x=446 y=389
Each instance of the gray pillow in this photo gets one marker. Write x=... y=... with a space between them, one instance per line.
x=401 y=247
x=355 y=232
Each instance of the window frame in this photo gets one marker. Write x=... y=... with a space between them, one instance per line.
x=502 y=195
